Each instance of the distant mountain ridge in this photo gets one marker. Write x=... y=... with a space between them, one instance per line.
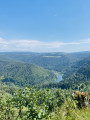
x=59 y=62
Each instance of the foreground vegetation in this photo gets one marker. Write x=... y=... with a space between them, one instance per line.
x=42 y=104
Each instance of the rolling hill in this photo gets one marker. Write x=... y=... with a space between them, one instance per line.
x=24 y=74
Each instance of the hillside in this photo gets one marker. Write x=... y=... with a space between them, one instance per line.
x=82 y=74
x=79 y=74
x=24 y=73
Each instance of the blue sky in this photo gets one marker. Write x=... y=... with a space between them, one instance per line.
x=45 y=25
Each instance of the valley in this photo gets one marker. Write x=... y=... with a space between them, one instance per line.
x=41 y=84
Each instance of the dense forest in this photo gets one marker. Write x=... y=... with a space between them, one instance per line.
x=28 y=90
x=25 y=74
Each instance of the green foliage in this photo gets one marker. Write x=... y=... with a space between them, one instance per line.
x=43 y=104
x=31 y=104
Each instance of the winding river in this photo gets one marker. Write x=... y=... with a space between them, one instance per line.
x=59 y=78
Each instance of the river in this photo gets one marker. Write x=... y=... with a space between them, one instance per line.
x=59 y=78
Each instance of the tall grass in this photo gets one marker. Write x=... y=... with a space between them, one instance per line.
x=69 y=111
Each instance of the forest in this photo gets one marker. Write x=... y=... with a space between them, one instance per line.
x=28 y=90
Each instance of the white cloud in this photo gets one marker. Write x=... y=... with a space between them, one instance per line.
x=86 y=41
x=27 y=45
x=38 y=46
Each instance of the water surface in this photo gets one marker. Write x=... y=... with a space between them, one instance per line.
x=59 y=78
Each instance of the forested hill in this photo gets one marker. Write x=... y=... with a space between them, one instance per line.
x=24 y=73
x=82 y=71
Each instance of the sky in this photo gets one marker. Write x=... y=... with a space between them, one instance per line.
x=44 y=25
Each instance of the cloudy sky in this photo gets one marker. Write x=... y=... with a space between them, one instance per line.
x=45 y=25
